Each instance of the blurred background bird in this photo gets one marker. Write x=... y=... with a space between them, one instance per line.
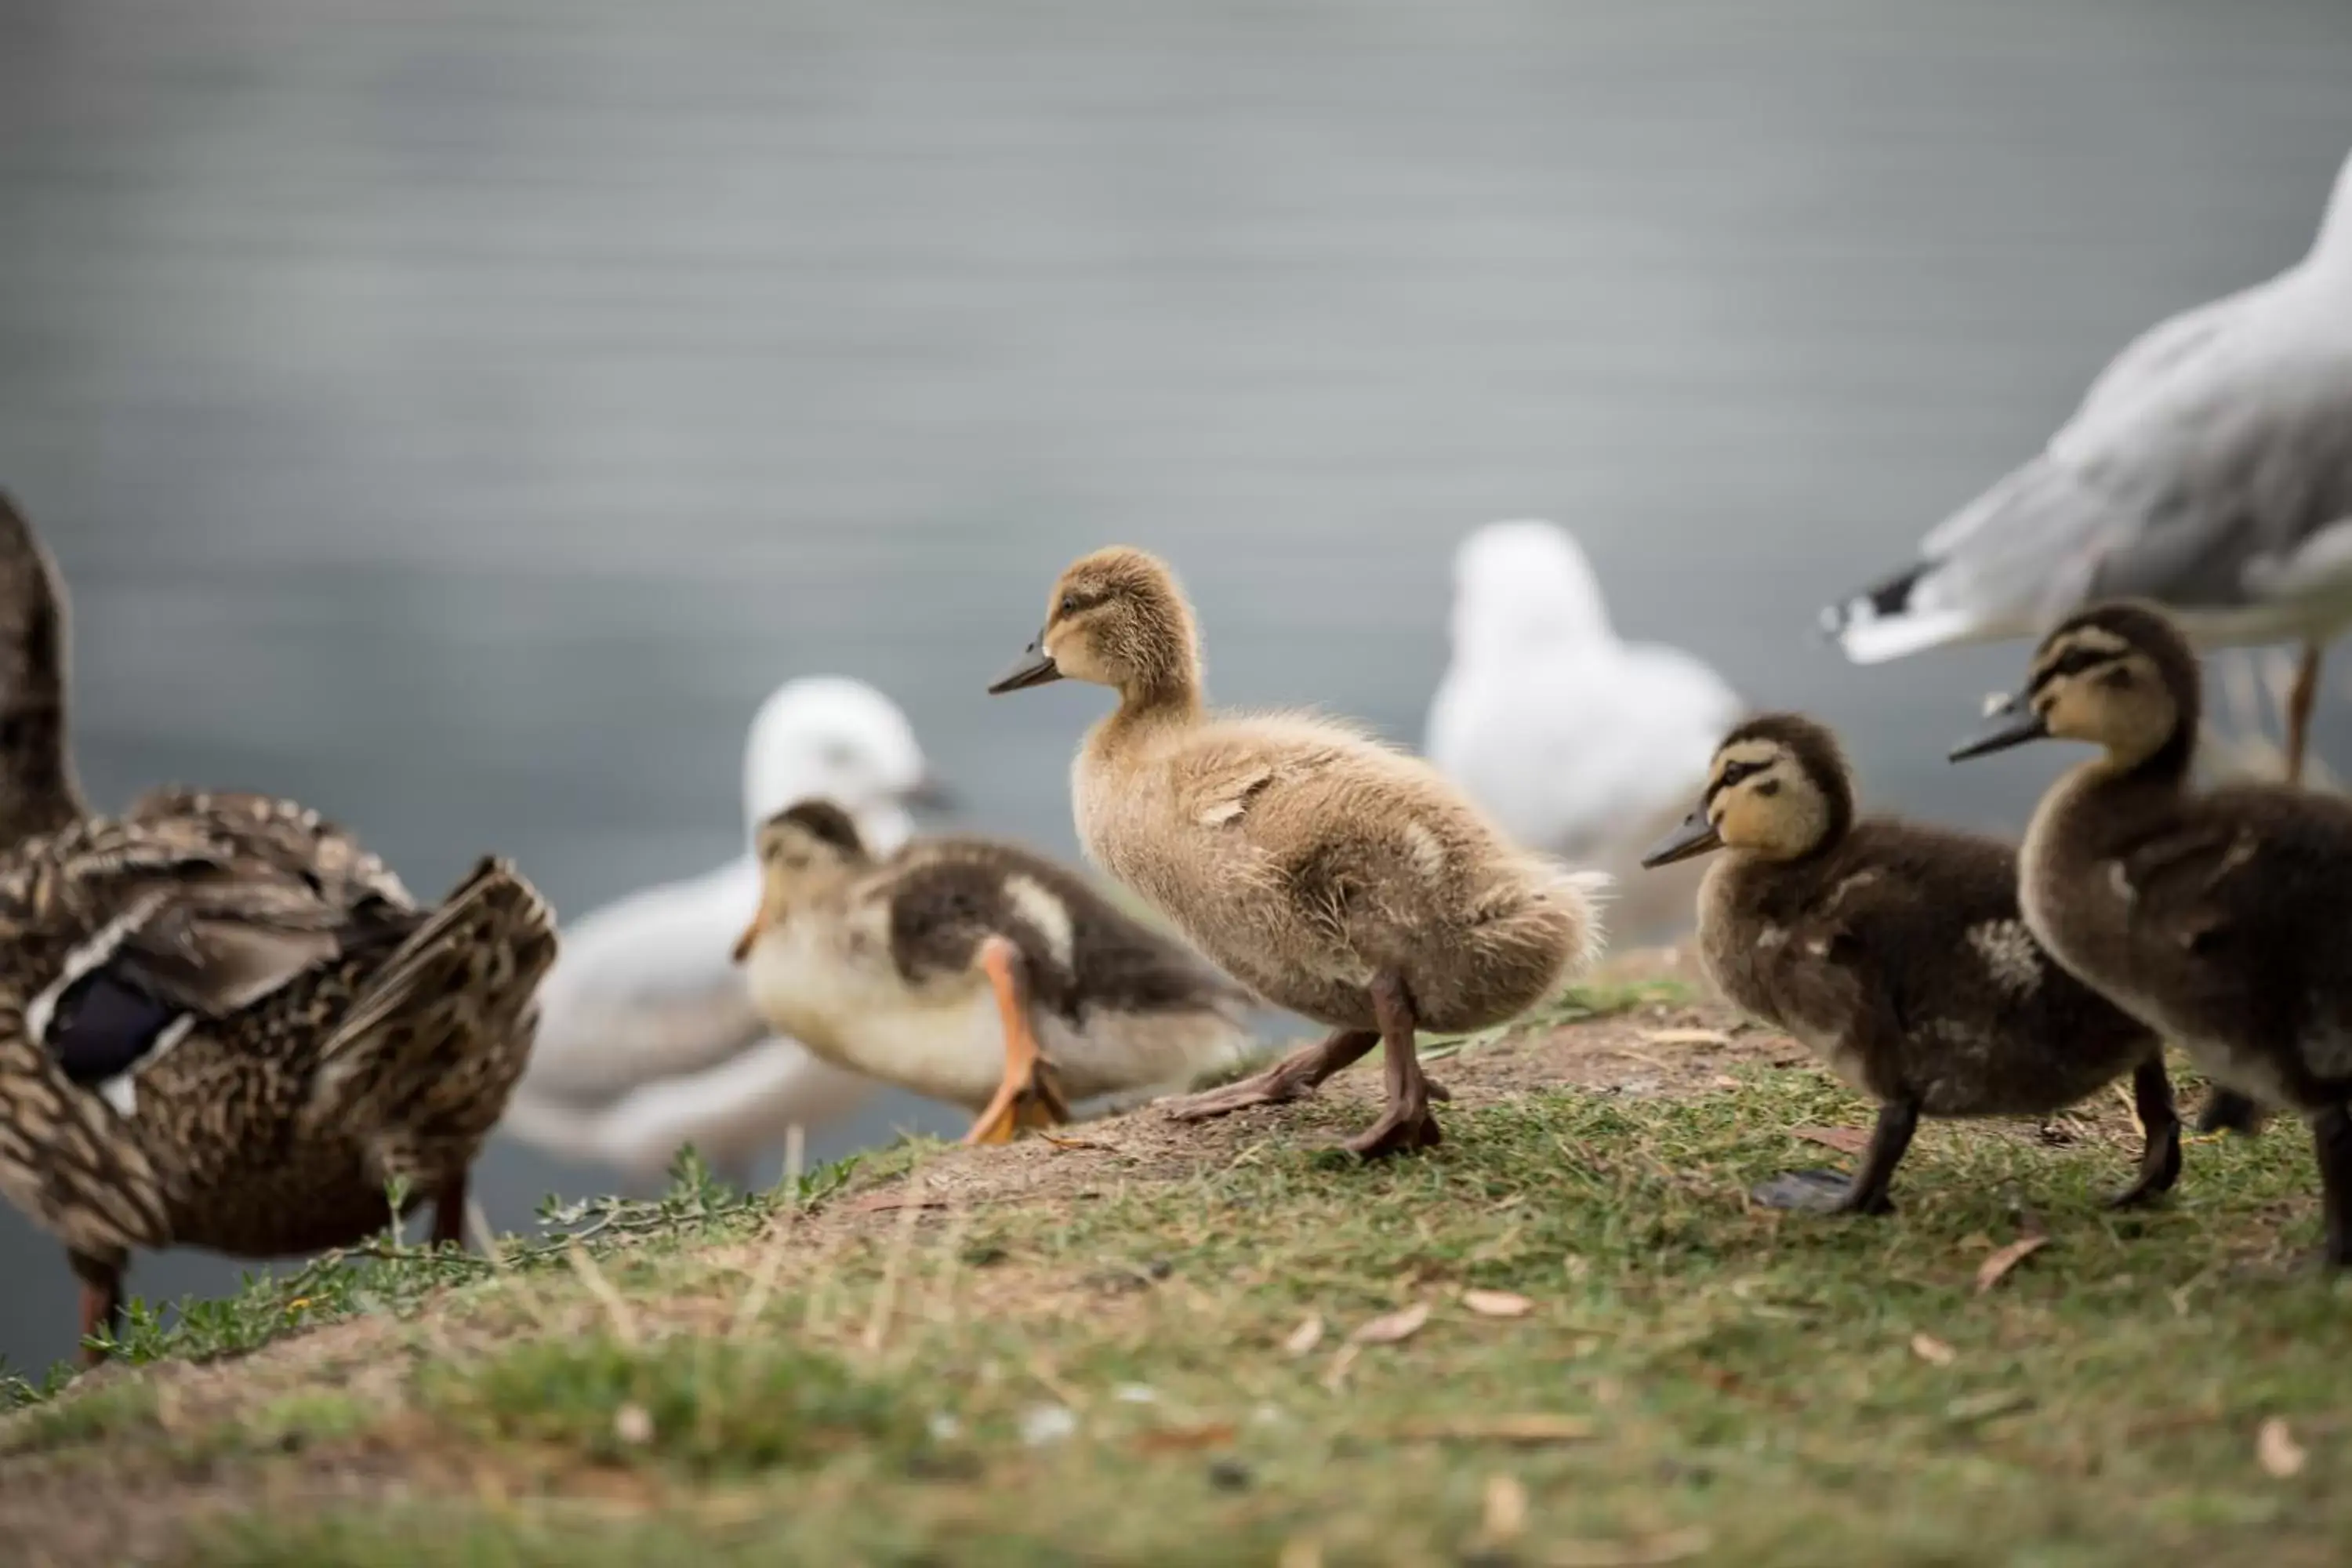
x=1576 y=742
x=648 y=1040
x=2208 y=467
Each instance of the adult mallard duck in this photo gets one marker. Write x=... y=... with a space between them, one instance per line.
x=2219 y=916
x=1894 y=951
x=1334 y=876
x=223 y=1023
x=976 y=972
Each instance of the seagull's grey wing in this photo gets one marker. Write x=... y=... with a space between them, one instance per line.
x=2230 y=488
x=2150 y=361
x=2205 y=469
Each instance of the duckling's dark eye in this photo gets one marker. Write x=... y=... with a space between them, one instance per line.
x=1070 y=605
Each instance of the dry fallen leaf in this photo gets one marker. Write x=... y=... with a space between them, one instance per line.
x=1993 y=1270
x=1673 y=1546
x=632 y=1425
x=1172 y=1439
x=1072 y=1142
x=1685 y=1037
x=1305 y=1337
x=1506 y=1517
x=1531 y=1429
x=1844 y=1140
x=1933 y=1351
x=1497 y=1303
x=2280 y=1454
x=1392 y=1327
x=1993 y=1403
x=1336 y=1373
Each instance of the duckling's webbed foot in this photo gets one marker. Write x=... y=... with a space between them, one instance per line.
x=1028 y=1095
x=2159 y=1160
x=1824 y=1192
x=1812 y=1192
x=1294 y=1077
x=1407 y=1123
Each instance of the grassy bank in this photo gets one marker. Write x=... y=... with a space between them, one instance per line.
x=1563 y=1337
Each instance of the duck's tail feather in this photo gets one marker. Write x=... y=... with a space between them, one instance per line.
x=442 y=1030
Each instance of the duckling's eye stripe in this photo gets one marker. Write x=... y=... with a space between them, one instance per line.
x=1073 y=603
x=2073 y=661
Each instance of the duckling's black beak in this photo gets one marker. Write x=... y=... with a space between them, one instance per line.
x=1036 y=667
x=2014 y=723
x=1697 y=835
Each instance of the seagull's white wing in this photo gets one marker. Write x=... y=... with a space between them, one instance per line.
x=730 y=1112
x=647 y=989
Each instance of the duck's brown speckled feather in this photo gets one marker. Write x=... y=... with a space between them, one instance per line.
x=340 y=1036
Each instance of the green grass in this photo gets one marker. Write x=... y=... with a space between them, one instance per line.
x=1104 y=1378
x=94 y=1417
x=1577 y=1005
x=712 y=1407
x=401 y=1277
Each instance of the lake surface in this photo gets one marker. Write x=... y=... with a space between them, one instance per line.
x=459 y=416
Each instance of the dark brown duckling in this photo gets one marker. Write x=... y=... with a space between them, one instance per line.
x=1897 y=952
x=2220 y=917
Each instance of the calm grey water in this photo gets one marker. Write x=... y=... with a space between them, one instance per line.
x=458 y=415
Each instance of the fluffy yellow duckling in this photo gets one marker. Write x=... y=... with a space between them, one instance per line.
x=1333 y=875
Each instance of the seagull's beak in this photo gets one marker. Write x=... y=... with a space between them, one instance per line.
x=1036 y=667
x=928 y=793
x=2014 y=724
x=1695 y=836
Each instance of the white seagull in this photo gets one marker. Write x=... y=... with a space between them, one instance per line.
x=648 y=1036
x=1574 y=740
x=2208 y=467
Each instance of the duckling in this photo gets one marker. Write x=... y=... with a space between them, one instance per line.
x=2219 y=916
x=223 y=1023
x=1895 y=952
x=1331 y=873
x=975 y=973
